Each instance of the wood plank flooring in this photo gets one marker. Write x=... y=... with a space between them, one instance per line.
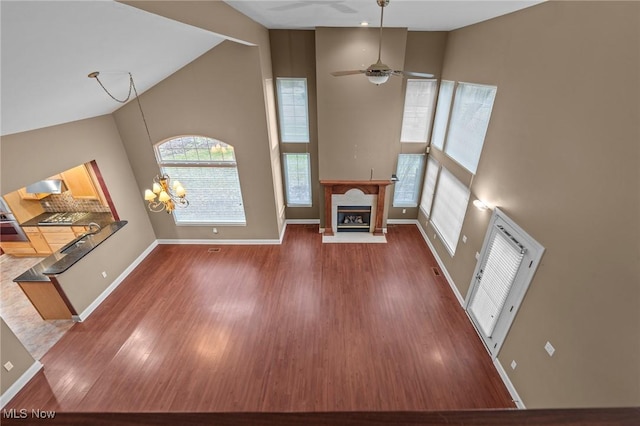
x=297 y=327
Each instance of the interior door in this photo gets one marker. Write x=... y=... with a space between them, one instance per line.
x=507 y=262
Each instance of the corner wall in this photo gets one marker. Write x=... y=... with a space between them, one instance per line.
x=562 y=159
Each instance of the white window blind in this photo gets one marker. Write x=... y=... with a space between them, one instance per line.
x=297 y=178
x=469 y=122
x=293 y=109
x=429 y=188
x=443 y=106
x=208 y=170
x=449 y=208
x=418 y=109
x=409 y=172
x=496 y=278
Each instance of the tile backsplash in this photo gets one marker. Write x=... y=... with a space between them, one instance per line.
x=66 y=203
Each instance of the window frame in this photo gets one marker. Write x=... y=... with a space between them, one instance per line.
x=285 y=168
x=165 y=164
x=411 y=111
x=415 y=184
x=441 y=216
x=282 y=124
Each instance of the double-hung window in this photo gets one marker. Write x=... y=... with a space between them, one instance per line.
x=469 y=122
x=409 y=173
x=297 y=179
x=293 y=109
x=418 y=109
x=207 y=169
x=449 y=208
x=445 y=97
x=429 y=187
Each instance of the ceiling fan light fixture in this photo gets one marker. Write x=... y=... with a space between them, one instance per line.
x=378 y=79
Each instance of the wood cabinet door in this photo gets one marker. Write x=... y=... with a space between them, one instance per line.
x=80 y=183
x=38 y=242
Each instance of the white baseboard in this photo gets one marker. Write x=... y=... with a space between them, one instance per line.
x=442 y=267
x=303 y=221
x=85 y=314
x=221 y=242
x=19 y=384
x=402 y=221
x=507 y=382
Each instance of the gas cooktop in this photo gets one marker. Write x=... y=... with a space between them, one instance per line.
x=63 y=218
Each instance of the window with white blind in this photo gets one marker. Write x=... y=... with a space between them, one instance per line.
x=293 y=109
x=409 y=173
x=429 y=187
x=469 y=122
x=208 y=170
x=297 y=179
x=449 y=208
x=445 y=96
x=418 y=109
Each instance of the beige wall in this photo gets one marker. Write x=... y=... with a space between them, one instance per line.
x=293 y=55
x=30 y=156
x=11 y=350
x=562 y=159
x=219 y=95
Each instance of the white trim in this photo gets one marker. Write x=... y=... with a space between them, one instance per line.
x=85 y=314
x=507 y=382
x=442 y=267
x=303 y=221
x=220 y=242
x=19 y=384
x=282 y=231
x=402 y=222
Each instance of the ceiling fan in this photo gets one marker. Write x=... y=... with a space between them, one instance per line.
x=379 y=72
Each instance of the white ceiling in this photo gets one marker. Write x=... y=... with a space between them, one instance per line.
x=49 y=47
x=416 y=15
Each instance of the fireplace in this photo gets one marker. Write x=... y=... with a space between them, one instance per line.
x=353 y=218
x=351 y=196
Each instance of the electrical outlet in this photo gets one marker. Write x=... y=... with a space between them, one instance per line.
x=477 y=255
x=549 y=348
x=434 y=236
x=464 y=239
x=8 y=366
x=514 y=364
x=404 y=211
x=215 y=230
x=104 y=274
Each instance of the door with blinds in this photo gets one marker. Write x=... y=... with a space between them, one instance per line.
x=507 y=263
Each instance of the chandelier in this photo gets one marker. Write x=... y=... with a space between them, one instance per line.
x=168 y=196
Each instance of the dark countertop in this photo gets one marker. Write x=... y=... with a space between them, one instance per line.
x=101 y=219
x=59 y=262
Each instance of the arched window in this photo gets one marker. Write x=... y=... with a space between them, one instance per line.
x=208 y=170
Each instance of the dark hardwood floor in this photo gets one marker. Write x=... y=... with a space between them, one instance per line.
x=299 y=327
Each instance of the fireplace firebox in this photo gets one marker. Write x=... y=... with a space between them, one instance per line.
x=353 y=219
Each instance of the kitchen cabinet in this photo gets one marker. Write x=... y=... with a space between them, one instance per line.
x=38 y=242
x=46 y=299
x=18 y=248
x=79 y=182
x=57 y=236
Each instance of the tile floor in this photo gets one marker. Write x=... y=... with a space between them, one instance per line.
x=36 y=334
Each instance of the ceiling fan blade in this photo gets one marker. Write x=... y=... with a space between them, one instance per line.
x=341 y=73
x=415 y=74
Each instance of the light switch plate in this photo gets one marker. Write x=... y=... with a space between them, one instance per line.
x=549 y=348
x=514 y=364
x=464 y=239
x=8 y=366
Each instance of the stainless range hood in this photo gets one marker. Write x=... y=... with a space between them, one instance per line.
x=47 y=186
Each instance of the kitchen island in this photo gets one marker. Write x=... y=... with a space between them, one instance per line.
x=40 y=283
